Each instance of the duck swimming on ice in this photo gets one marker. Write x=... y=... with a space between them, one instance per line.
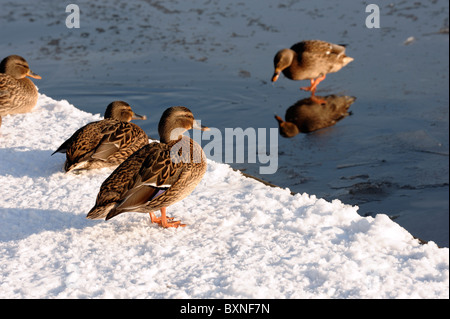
x=156 y=176
x=310 y=60
x=104 y=143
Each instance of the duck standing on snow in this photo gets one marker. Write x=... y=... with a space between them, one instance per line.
x=310 y=60
x=18 y=94
x=307 y=116
x=104 y=143
x=156 y=176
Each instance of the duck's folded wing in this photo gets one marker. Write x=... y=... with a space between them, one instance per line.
x=318 y=48
x=5 y=91
x=157 y=174
x=114 y=136
x=337 y=49
x=82 y=143
x=117 y=184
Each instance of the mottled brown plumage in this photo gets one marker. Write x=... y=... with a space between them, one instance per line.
x=307 y=116
x=310 y=60
x=18 y=94
x=156 y=176
x=104 y=143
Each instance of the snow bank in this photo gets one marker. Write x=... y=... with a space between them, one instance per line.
x=243 y=239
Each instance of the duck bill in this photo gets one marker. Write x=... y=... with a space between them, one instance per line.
x=279 y=119
x=138 y=117
x=33 y=75
x=275 y=76
x=198 y=126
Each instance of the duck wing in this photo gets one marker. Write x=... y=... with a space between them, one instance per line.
x=125 y=137
x=157 y=175
x=140 y=179
x=114 y=137
x=318 y=47
x=98 y=141
x=6 y=84
x=318 y=58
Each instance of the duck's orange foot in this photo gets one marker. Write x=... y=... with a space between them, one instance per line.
x=174 y=224
x=157 y=220
x=164 y=221
x=314 y=83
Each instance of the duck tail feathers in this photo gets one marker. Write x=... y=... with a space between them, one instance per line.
x=100 y=212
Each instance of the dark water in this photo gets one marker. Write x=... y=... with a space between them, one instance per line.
x=390 y=156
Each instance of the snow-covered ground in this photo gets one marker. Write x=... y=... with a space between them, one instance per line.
x=243 y=240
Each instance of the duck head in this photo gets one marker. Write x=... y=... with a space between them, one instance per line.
x=282 y=60
x=120 y=110
x=287 y=129
x=17 y=67
x=175 y=121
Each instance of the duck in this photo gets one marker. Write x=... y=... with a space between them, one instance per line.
x=18 y=94
x=104 y=143
x=307 y=115
x=310 y=60
x=156 y=176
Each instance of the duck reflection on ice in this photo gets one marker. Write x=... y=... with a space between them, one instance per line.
x=306 y=115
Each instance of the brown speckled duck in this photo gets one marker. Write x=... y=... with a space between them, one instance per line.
x=310 y=60
x=156 y=176
x=307 y=116
x=18 y=94
x=104 y=143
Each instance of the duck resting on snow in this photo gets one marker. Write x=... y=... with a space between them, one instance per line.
x=104 y=143
x=18 y=94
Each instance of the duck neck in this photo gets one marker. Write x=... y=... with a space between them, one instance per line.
x=167 y=136
x=286 y=58
x=27 y=83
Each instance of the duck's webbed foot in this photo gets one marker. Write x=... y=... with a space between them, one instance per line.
x=164 y=221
